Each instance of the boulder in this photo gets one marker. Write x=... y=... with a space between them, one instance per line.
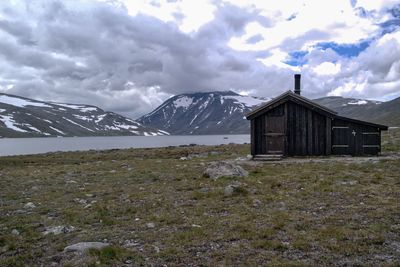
x=222 y=168
x=84 y=246
x=29 y=205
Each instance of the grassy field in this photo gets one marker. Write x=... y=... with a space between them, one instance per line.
x=156 y=209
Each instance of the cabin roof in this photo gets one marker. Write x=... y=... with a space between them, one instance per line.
x=289 y=95
x=286 y=96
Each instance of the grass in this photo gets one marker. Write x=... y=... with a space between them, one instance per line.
x=286 y=214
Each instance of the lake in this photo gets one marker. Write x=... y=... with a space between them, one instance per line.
x=23 y=146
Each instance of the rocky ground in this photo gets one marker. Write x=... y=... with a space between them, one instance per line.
x=171 y=206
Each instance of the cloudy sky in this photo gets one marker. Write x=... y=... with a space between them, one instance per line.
x=129 y=56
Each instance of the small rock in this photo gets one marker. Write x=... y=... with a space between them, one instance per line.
x=249 y=157
x=157 y=249
x=232 y=188
x=204 y=190
x=228 y=191
x=150 y=225
x=352 y=182
x=56 y=230
x=281 y=206
x=29 y=205
x=35 y=188
x=220 y=169
x=15 y=232
x=87 y=206
x=130 y=243
x=19 y=212
x=183 y=158
x=196 y=226
x=256 y=202
x=84 y=246
x=89 y=195
x=80 y=201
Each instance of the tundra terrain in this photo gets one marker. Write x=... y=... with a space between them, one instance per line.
x=155 y=207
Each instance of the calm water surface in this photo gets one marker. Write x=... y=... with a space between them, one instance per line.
x=22 y=146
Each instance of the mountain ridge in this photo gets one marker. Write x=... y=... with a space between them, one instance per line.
x=223 y=112
x=24 y=117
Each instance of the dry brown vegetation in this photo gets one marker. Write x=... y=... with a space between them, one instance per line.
x=334 y=213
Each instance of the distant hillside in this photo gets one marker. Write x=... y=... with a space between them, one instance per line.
x=387 y=113
x=223 y=112
x=23 y=117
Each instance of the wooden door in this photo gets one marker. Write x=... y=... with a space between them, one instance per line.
x=341 y=142
x=345 y=140
x=275 y=134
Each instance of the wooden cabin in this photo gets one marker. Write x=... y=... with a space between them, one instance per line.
x=292 y=125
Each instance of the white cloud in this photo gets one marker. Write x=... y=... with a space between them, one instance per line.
x=348 y=87
x=129 y=56
x=189 y=15
x=337 y=19
x=327 y=68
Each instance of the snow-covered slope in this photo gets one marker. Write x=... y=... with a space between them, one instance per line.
x=23 y=117
x=203 y=113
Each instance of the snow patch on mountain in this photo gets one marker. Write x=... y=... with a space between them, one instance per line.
x=183 y=102
x=57 y=130
x=77 y=124
x=247 y=101
x=358 y=102
x=20 y=102
x=10 y=123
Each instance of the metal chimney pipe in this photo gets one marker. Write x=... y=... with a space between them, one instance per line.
x=297 y=78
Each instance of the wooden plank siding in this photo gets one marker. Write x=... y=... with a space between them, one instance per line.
x=328 y=133
x=309 y=131
x=306 y=131
x=350 y=138
x=252 y=137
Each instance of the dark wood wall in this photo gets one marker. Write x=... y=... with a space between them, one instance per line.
x=351 y=138
x=306 y=131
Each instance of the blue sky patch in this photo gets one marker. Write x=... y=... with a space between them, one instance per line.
x=390 y=26
x=297 y=58
x=346 y=50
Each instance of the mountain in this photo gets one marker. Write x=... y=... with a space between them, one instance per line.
x=203 y=113
x=387 y=113
x=23 y=117
x=223 y=112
